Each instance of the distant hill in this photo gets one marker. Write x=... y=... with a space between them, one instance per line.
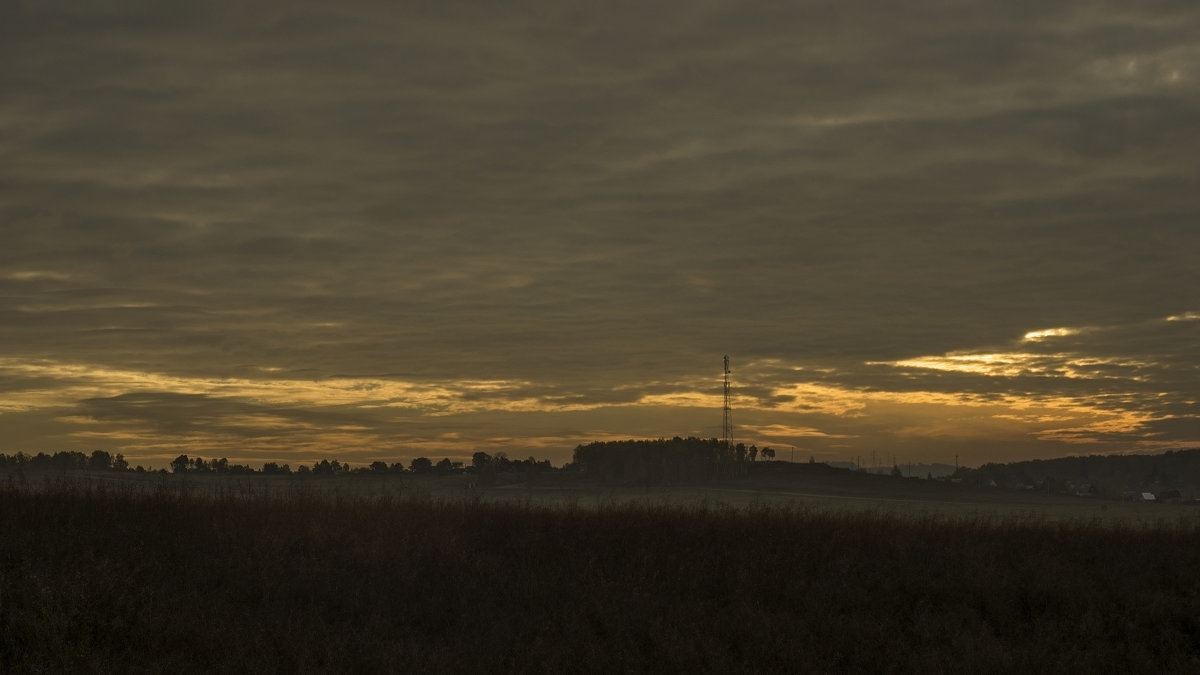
x=1101 y=475
x=822 y=480
x=1173 y=475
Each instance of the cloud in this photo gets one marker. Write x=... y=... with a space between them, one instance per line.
x=1045 y=333
x=592 y=204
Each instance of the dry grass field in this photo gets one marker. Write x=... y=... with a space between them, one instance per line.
x=342 y=575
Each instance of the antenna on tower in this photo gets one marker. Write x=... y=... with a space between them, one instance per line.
x=727 y=426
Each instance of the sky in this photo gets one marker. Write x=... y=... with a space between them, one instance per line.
x=925 y=230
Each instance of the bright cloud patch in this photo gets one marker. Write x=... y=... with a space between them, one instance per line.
x=1018 y=364
x=1039 y=335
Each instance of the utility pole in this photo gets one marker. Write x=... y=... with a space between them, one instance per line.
x=727 y=425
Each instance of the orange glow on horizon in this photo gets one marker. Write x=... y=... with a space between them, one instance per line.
x=282 y=418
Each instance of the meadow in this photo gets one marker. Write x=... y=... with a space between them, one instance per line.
x=367 y=577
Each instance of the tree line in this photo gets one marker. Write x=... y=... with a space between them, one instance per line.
x=664 y=460
x=102 y=460
x=638 y=461
x=1100 y=475
x=98 y=460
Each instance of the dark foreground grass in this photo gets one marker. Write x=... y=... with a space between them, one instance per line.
x=94 y=581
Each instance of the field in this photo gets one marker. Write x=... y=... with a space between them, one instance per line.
x=798 y=486
x=358 y=574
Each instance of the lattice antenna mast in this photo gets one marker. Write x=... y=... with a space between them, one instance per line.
x=727 y=426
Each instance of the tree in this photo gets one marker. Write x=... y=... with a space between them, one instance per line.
x=120 y=464
x=481 y=460
x=445 y=466
x=379 y=467
x=100 y=460
x=421 y=465
x=180 y=464
x=768 y=453
x=502 y=463
x=754 y=452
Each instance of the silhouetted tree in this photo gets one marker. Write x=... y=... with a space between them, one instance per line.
x=64 y=461
x=180 y=464
x=481 y=460
x=273 y=468
x=654 y=462
x=100 y=460
x=502 y=463
x=421 y=465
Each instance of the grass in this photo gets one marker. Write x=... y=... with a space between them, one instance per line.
x=103 y=579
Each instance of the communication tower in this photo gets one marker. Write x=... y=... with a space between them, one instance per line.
x=727 y=426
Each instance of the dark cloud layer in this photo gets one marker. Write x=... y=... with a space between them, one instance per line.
x=593 y=203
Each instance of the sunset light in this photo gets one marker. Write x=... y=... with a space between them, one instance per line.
x=734 y=336
x=370 y=232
